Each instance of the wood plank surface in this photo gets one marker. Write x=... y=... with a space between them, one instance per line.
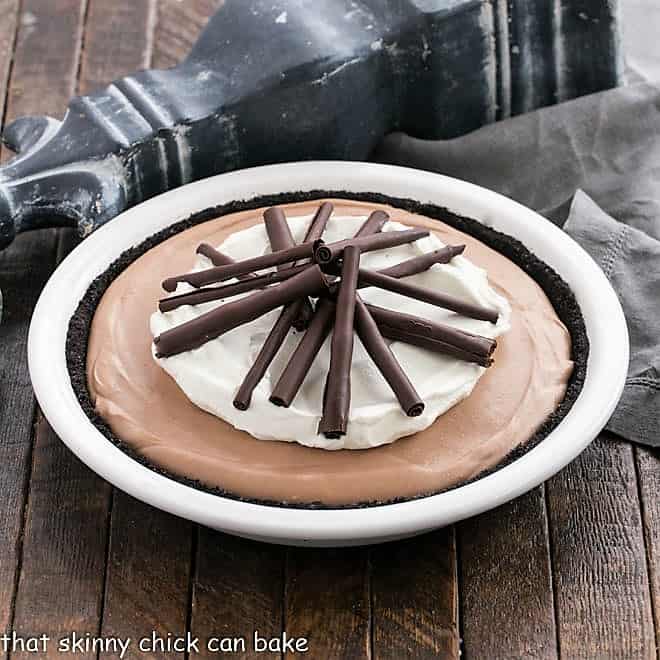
x=43 y=76
x=237 y=590
x=119 y=39
x=414 y=593
x=601 y=578
x=9 y=12
x=327 y=601
x=21 y=280
x=148 y=577
x=648 y=473
x=179 y=25
x=24 y=268
x=506 y=582
x=63 y=561
x=63 y=556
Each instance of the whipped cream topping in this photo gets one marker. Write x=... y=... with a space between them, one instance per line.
x=211 y=374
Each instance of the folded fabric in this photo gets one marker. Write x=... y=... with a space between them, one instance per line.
x=608 y=145
x=631 y=261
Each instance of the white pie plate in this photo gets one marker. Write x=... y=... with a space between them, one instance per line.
x=607 y=364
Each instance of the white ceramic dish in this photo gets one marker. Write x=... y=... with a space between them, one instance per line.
x=607 y=365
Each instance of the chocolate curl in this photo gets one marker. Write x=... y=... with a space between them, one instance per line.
x=200 y=296
x=193 y=334
x=373 y=224
x=337 y=397
x=221 y=273
x=319 y=221
x=294 y=373
x=218 y=258
x=423 y=262
x=314 y=232
x=436 y=337
x=326 y=253
x=297 y=314
x=384 y=359
x=271 y=345
x=281 y=238
x=374 y=278
x=411 y=266
x=319 y=328
x=278 y=230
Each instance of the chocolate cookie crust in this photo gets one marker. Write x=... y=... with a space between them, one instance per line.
x=557 y=291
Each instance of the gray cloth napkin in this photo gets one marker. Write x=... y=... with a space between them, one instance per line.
x=591 y=165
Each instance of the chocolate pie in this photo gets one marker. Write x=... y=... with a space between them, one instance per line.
x=327 y=349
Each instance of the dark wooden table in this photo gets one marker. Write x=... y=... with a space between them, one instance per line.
x=571 y=569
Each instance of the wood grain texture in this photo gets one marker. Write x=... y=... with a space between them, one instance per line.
x=46 y=58
x=118 y=40
x=43 y=77
x=179 y=25
x=237 y=590
x=9 y=12
x=648 y=472
x=24 y=268
x=63 y=563
x=601 y=580
x=414 y=593
x=148 y=575
x=506 y=582
x=327 y=601
x=15 y=428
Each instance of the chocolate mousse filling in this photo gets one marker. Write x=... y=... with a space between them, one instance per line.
x=538 y=373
